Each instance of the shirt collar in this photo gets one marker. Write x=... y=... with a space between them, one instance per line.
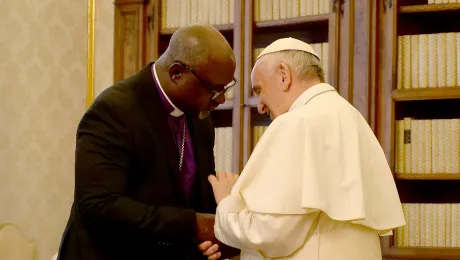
x=310 y=93
x=176 y=111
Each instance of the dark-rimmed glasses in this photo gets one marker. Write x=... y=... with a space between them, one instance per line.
x=215 y=93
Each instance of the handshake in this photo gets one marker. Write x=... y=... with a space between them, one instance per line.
x=222 y=185
x=209 y=245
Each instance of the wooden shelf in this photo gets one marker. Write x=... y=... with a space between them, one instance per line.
x=294 y=22
x=227 y=105
x=221 y=27
x=253 y=101
x=423 y=253
x=426 y=94
x=430 y=8
x=433 y=176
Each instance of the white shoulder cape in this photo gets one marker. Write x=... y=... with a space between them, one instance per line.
x=321 y=155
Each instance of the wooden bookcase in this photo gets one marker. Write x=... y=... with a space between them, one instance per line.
x=418 y=100
x=259 y=33
x=362 y=38
x=140 y=39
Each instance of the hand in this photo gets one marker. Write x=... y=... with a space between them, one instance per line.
x=218 y=250
x=204 y=227
x=210 y=250
x=222 y=184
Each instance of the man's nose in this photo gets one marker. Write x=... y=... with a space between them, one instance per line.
x=220 y=99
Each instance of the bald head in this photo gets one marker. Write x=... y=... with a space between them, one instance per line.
x=198 y=64
x=199 y=45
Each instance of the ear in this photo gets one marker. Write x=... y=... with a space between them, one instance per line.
x=286 y=76
x=176 y=72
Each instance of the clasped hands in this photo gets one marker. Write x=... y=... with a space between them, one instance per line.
x=222 y=184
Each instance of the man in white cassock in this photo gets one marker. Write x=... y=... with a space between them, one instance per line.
x=317 y=185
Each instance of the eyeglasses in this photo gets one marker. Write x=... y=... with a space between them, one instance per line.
x=207 y=86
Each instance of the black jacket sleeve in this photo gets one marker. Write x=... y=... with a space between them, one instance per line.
x=104 y=158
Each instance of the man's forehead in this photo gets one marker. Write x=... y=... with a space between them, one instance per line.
x=256 y=76
x=257 y=69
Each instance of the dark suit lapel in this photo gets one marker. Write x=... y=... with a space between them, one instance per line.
x=151 y=102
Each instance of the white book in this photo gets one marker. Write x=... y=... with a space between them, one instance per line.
x=432 y=61
x=451 y=59
x=423 y=61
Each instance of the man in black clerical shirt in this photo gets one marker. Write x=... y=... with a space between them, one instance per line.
x=144 y=152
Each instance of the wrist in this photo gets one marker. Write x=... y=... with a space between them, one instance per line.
x=204 y=228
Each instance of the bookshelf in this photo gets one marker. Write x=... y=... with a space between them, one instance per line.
x=425 y=94
x=142 y=28
x=267 y=21
x=361 y=39
x=417 y=111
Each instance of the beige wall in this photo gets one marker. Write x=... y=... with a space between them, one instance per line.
x=104 y=45
x=42 y=97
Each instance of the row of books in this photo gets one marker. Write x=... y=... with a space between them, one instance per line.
x=223 y=148
x=223 y=145
x=428 y=60
x=428 y=146
x=429 y=225
x=177 y=13
x=267 y=10
x=230 y=93
x=257 y=132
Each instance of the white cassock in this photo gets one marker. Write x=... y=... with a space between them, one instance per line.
x=316 y=187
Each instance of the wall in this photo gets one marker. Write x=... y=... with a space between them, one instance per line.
x=104 y=45
x=42 y=97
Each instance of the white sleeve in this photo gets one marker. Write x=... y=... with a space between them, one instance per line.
x=272 y=235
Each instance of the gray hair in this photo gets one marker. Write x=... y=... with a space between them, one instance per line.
x=305 y=65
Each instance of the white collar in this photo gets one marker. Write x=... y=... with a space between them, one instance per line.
x=310 y=93
x=176 y=112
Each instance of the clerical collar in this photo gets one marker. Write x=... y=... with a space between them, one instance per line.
x=176 y=112
x=311 y=93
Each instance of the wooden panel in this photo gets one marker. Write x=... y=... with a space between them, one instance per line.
x=129 y=38
x=345 y=79
x=426 y=94
x=386 y=49
x=357 y=43
x=362 y=91
x=395 y=253
x=430 y=8
x=294 y=23
x=248 y=62
x=431 y=176
x=386 y=32
x=239 y=26
x=373 y=67
x=333 y=39
x=153 y=30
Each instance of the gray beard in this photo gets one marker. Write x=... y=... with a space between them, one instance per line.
x=203 y=114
